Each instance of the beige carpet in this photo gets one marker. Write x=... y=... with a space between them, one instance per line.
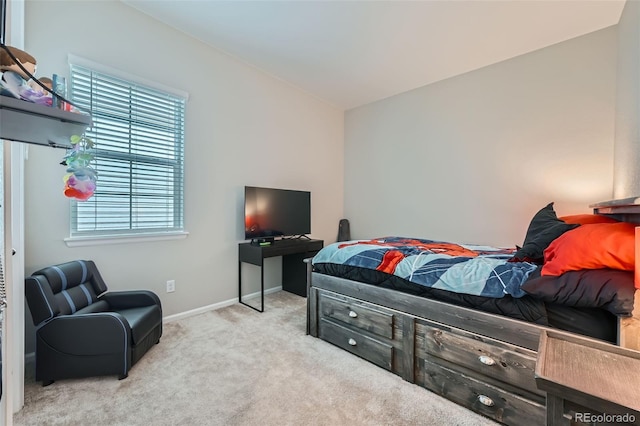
x=236 y=366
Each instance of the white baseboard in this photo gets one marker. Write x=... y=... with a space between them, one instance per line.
x=213 y=307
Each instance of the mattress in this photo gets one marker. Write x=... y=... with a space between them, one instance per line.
x=595 y=322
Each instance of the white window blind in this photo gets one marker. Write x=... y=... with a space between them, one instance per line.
x=138 y=133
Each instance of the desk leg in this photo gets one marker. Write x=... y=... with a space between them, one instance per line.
x=555 y=411
x=261 y=288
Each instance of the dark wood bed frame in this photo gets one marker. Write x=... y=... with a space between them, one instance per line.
x=482 y=361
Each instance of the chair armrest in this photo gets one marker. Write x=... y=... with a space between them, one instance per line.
x=131 y=299
x=87 y=334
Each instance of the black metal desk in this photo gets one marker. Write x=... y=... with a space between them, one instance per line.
x=294 y=273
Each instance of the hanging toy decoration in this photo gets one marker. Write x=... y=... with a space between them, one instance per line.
x=80 y=180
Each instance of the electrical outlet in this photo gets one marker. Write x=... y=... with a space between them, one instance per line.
x=171 y=286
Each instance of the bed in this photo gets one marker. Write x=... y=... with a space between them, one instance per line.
x=473 y=345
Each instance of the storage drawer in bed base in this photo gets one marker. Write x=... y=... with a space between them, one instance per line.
x=499 y=360
x=372 y=350
x=483 y=398
x=358 y=314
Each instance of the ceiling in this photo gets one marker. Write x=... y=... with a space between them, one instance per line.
x=351 y=53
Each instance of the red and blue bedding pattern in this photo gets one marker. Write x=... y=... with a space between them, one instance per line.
x=459 y=268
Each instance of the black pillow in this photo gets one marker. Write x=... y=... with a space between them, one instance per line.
x=543 y=229
x=610 y=289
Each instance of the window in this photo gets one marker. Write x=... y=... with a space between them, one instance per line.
x=138 y=132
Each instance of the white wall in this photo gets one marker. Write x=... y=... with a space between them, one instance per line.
x=627 y=152
x=472 y=158
x=243 y=127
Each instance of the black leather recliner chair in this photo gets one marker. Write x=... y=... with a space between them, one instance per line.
x=81 y=329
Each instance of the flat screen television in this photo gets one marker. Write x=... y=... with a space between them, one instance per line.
x=271 y=212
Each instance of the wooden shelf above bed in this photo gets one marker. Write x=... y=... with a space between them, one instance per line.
x=626 y=209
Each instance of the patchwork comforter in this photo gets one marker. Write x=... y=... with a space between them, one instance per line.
x=459 y=268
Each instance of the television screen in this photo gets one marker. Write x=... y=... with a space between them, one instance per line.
x=270 y=212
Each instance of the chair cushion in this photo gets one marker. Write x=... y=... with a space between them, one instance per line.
x=142 y=320
x=99 y=306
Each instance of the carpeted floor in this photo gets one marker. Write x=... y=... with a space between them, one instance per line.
x=236 y=366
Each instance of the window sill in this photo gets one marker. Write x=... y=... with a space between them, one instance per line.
x=124 y=239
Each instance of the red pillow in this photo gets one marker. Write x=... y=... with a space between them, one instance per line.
x=592 y=246
x=585 y=219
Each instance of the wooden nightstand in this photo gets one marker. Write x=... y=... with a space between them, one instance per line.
x=601 y=378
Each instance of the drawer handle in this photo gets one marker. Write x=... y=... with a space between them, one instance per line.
x=486 y=360
x=353 y=314
x=485 y=400
x=352 y=342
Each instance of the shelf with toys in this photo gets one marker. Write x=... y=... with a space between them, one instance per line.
x=24 y=121
x=29 y=111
